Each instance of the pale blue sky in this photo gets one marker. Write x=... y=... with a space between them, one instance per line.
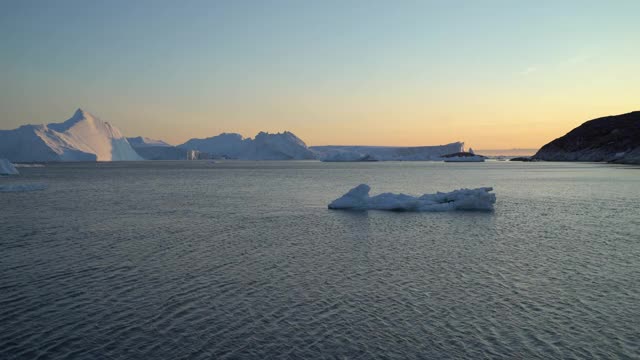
x=491 y=73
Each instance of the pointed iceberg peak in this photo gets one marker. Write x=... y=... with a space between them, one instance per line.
x=81 y=114
x=82 y=137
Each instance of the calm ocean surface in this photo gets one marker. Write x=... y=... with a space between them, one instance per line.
x=243 y=260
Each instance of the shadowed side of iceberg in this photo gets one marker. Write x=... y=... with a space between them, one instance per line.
x=464 y=199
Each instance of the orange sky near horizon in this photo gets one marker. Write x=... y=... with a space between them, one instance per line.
x=494 y=74
x=479 y=126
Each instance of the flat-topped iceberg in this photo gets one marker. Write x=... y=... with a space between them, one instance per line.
x=464 y=199
x=345 y=156
x=7 y=168
x=386 y=153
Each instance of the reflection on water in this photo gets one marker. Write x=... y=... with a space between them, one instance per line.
x=244 y=260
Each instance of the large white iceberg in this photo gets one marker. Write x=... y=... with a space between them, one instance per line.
x=7 y=168
x=265 y=146
x=464 y=199
x=83 y=137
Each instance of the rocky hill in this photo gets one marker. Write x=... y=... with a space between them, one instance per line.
x=611 y=138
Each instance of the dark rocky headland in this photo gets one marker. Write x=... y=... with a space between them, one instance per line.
x=611 y=139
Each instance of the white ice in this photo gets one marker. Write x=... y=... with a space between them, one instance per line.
x=5 y=188
x=141 y=141
x=388 y=153
x=83 y=137
x=7 y=168
x=265 y=146
x=464 y=199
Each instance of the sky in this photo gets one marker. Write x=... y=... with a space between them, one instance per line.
x=494 y=74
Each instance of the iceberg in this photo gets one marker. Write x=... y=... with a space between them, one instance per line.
x=152 y=149
x=464 y=199
x=141 y=141
x=265 y=146
x=7 y=168
x=6 y=188
x=83 y=137
x=345 y=156
x=385 y=153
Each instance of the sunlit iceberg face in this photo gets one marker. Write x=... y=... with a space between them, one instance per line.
x=464 y=199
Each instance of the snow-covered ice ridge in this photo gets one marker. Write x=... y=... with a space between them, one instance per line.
x=141 y=141
x=265 y=146
x=464 y=199
x=83 y=137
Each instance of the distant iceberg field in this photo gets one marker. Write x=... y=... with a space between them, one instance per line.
x=85 y=137
x=464 y=199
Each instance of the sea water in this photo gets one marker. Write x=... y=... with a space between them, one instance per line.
x=201 y=260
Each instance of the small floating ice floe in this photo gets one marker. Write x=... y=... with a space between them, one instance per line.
x=7 y=168
x=464 y=199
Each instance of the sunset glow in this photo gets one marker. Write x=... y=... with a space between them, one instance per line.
x=495 y=75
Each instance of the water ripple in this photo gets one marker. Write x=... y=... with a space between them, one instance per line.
x=166 y=261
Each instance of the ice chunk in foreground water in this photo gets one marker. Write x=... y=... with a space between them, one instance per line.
x=464 y=199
